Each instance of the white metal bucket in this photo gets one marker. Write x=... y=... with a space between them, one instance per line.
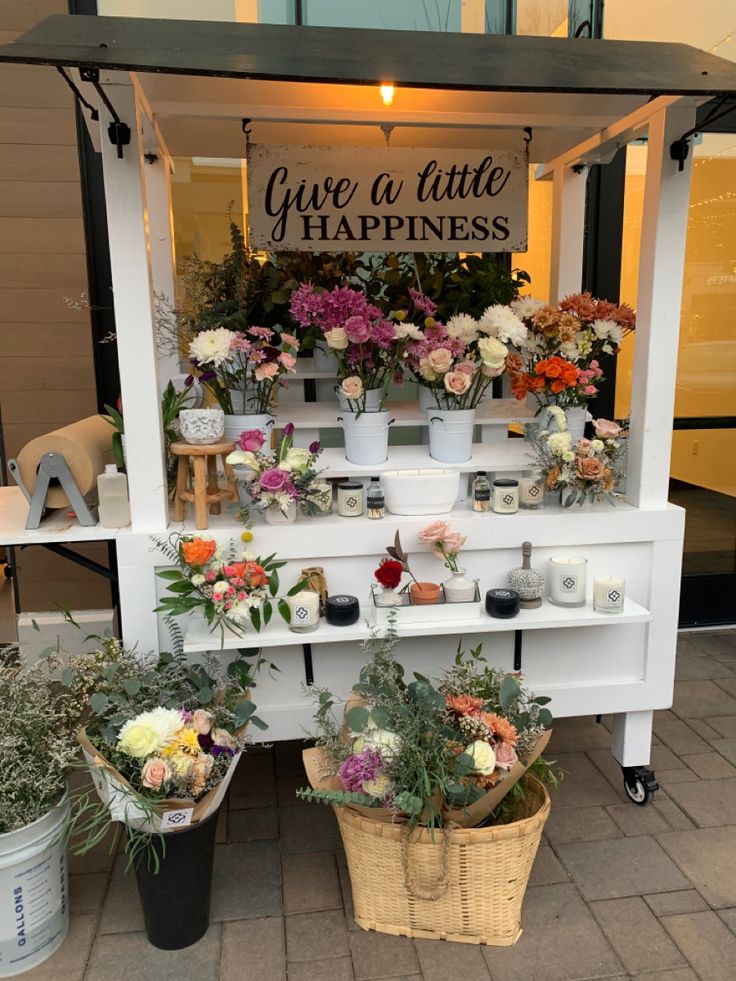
x=575 y=417
x=372 y=400
x=451 y=434
x=235 y=425
x=366 y=436
x=34 y=892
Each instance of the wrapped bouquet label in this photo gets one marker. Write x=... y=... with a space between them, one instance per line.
x=180 y=818
x=368 y=199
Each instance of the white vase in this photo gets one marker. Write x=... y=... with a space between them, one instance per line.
x=373 y=399
x=237 y=424
x=451 y=434
x=244 y=477
x=202 y=426
x=386 y=597
x=275 y=516
x=366 y=436
x=458 y=588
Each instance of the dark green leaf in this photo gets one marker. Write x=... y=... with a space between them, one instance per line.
x=510 y=689
x=273 y=586
x=172 y=574
x=357 y=718
x=255 y=618
x=98 y=702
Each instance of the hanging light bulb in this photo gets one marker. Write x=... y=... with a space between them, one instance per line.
x=387 y=93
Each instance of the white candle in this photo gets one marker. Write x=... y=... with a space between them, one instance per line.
x=531 y=493
x=304 y=608
x=608 y=594
x=567 y=580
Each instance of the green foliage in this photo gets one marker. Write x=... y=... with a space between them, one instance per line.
x=316 y=796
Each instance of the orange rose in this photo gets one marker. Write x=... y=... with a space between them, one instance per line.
x=590 y=468
x=199 y=551
x=256 y=574
x=553 y=368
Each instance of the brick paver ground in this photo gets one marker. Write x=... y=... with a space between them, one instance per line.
x=617 y=892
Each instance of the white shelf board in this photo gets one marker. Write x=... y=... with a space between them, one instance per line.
x=57 y=527
x=511 y=455
x=323 y=415
x=198 y=637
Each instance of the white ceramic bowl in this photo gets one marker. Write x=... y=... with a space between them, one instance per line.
x=420 y=491
x=202 y=426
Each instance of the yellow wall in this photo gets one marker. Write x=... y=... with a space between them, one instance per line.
x=536 y=259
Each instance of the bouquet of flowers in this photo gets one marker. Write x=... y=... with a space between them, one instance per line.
x=242 y=369
x=369 y=347
x=162 y=740
x=558 y=360
x=446 y=544
x=588 y=469
x=427 y=752
x=280 y=477
x=228 y=589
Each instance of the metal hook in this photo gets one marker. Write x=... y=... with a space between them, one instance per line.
x=388 y=129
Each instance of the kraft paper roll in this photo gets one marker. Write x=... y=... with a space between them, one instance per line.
x=85 y=445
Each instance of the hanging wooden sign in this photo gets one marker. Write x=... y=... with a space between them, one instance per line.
x=365 y=199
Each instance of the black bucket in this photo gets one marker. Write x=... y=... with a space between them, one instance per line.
x=176 y=899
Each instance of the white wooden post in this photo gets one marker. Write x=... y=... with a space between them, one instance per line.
x=134 y=312
x=568 y=229
x=157 y=175
x=661 y=263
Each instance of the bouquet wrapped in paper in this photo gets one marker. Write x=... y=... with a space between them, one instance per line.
x=424 y=752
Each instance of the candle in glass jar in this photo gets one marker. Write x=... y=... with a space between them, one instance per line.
x=567 y=580
x=608 y=594
x=531 y=493
x=304 y=609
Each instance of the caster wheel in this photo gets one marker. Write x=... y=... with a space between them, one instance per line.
x=639 y=784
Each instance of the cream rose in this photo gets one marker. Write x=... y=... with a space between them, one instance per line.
x=440 y=360
x=139 y=740
x=297 y=458
x=352 y=387
x=457 y=382
x=483 y=756
x=155 y=772
x=378 y=786
x=492 y=351
x=336 y=339
x=427 y=371
x=202 y=721
x=221 y=737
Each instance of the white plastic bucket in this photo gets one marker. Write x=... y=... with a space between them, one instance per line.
x=451 y=434
x=235 y=425
x=366 y=436
x=372 y=400
x=34 y=892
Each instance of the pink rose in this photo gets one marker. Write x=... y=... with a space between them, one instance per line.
x=268 y=370
x=505 y=755
x=440 y=360
x=454 y=541
x=352 y=387
x=155 y=772
x=435 y=532
x=590 y=390
x=273 y=481
x=358 y=330
x=493 y=371
x=287 y=360
x=467 y=367
x=457 y=382
x=251 y=440
x=202 y=721
x=606 y=429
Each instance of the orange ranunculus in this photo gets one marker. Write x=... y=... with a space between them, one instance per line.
x=199 y=551
x=239 y=570
x=255 y=574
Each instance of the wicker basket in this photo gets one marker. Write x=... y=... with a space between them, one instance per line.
x=462 y=884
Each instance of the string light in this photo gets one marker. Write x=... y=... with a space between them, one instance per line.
x=387 y=93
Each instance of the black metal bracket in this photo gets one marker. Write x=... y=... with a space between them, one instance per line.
x=150 y=158
x=680 y=149
x=118 y=132
x=67 y=553
x=517 y=649
x=308 y=665
x=93 y=113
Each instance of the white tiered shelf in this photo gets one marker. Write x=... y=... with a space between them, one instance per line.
x=323 y=415
x=507 y=456
x=199 y=638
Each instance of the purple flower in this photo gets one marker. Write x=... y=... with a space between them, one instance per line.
x=357 y=769
x=207 y=376
x=288 y=429
x=315 y=447
x=423 y=303
x=189 y=380
x=205 y=741
x=219 y=750
x=274 y=480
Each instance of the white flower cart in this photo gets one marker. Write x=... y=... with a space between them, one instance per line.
x=172 y=87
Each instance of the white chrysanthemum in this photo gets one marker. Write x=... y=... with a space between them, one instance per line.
x=212 y=346
x=569 y=350
x=221 y=586
x=500 y=321
x=160 y=724
x=197 y=580
x=602 y=328
x=526 y=306
x=409 y=330
x=462 y=326
x=584 y=343
x=559 y=442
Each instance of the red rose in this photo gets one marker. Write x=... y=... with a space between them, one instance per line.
x=389 y=573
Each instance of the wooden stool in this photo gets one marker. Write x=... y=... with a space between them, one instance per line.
x=205 y=493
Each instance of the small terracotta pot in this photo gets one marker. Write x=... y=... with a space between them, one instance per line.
x=424 y=593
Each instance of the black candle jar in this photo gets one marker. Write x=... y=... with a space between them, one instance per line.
x=502 y=603
x=342 y=610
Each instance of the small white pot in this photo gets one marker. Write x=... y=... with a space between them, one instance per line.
x=202 y=426
x=235 y=425
x=366 y=436
x=420 y=491
x=458 y=588
x=451 y=434
x=372 y=400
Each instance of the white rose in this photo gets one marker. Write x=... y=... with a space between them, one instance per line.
x=483 y=756
x=336 y=339
x=298 y=458
x=559 y=442
x=197 y=580
x=492 y=351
